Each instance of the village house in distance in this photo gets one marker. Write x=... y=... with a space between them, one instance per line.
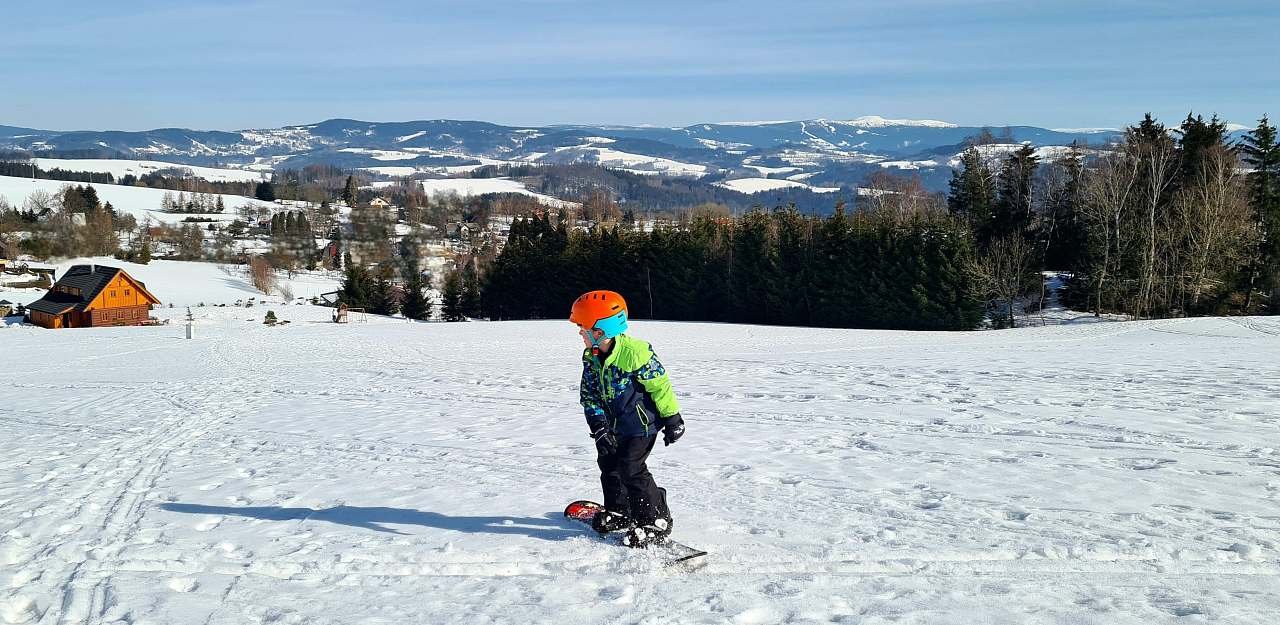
x=90 y=296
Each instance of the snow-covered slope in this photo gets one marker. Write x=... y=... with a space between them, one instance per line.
x=759 y=185
x=186 y=283
x=120 y=167
x=480 y=186
x=141 y=202
x=397 y=472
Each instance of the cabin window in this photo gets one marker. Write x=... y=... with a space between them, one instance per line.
x=113 y=294
x=126 y=291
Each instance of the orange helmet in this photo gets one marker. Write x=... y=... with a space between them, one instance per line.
x=600 y=310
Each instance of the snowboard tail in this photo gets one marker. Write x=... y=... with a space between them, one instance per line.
x=584 y=511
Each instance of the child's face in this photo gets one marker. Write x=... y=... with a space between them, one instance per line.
x=587 y=334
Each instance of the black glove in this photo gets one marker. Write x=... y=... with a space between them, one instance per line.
x=673 y=429
x=606 y=440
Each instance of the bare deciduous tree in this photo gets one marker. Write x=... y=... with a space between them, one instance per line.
x=1214 y=224
x=1107 y=190
x=263 y=276
x=1006 y=271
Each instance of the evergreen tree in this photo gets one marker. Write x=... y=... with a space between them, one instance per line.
x=90 y=197
x=1195 y=138
x=1013 y=204
x=973 y=193
x=1261 y=152
x=351 y=192
x=834 y=271
x=469 y=299
x=265 y=191
x=144 y=244
x=357 y=287
x=417 y=304
x=795 y=247
x=451 y=298
x=382 y=299
x=755 y=279
x=338 y=252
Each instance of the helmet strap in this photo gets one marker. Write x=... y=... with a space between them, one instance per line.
x=595 y=342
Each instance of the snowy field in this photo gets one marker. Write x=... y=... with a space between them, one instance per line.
x=760 y=185
x=467 y=187
x=396 y=472
x=141 y=202
x=187 y=283
x=122 y=167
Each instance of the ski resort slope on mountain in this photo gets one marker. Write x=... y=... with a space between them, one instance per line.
x=401 y=472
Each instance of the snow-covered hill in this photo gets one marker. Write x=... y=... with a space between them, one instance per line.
x=188 y=283
x=760 y=185
x=141 y=202
x=122 y=167
x=398 y=472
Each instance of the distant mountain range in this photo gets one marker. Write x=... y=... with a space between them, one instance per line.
x=819 y=152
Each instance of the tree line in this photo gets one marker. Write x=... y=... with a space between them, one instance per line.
x=892 y=267
x=1168 y=222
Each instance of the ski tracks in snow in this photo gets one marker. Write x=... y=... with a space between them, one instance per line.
x=390 y=472
x=73 y=544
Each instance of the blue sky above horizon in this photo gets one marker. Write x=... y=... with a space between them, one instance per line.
x=234 y=64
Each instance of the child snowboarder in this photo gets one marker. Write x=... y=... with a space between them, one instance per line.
x=627 y=398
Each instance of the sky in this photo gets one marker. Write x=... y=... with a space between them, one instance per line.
x=237 y=64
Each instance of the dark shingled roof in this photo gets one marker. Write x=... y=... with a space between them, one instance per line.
x=90 y=279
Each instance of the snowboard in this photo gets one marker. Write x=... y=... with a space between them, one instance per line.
x=584 y=511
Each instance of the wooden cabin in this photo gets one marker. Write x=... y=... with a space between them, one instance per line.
x=92 y=296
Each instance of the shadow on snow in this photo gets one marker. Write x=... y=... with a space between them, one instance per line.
x=553 y=527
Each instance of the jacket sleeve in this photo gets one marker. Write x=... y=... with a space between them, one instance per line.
x=655 y=381
x=589 y=394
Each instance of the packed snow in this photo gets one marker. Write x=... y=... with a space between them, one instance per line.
x=120 y=168
x=141 y=202
x=400 y=472
x=760 y=185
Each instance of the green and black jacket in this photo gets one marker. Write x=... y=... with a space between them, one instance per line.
x=628 y=391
